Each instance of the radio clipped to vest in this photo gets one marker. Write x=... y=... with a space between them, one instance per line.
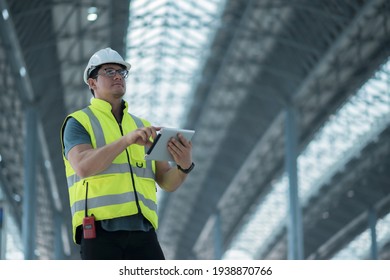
x=89 y=229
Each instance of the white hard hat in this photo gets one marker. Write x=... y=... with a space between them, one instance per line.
x=104 y=56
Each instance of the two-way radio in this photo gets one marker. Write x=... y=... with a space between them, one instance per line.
x=89 y=229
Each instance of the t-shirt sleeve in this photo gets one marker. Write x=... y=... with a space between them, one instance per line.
x=74 y=134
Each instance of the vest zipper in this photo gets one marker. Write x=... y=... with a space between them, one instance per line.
x=131 y=172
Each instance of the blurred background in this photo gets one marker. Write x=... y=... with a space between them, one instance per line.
x=290 y=100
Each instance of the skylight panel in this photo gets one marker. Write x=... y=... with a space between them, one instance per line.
x=166 y=40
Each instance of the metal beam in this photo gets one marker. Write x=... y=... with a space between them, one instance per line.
x=218 y=236
x=295 y=231
x=30 y=184
x=372 y=219
x=2 y=230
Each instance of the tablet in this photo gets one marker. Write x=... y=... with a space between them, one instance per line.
x=159 y=148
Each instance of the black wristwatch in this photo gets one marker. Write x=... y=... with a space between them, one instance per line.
x=188 y=170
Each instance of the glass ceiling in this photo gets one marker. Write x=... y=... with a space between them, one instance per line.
x=167 y=45
x=346 y=132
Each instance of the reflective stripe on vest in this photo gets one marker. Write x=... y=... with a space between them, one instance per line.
x=119 y=168
x=112 y=200
x=96 y=127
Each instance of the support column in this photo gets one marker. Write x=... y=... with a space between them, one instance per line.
x=2 y=228
x=58 y=242
x=29 y=192
x=372 y=220
x=295 y=232
x=217 y=236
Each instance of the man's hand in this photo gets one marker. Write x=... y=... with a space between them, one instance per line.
x=142 y=136
x=170 y=178
x=181 y=151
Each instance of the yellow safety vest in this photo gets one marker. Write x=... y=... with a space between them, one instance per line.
x=111 y=193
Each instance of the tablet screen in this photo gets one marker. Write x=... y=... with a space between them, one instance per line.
x=159 y=149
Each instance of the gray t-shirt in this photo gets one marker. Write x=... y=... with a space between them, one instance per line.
x=75 y=134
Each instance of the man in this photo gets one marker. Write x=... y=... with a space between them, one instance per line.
x=112 y=188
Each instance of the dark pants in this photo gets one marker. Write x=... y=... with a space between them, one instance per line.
x=121 y=245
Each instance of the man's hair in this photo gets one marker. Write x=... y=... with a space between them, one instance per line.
x=93 y=75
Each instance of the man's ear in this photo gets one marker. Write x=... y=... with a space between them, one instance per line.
x=92 y=83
